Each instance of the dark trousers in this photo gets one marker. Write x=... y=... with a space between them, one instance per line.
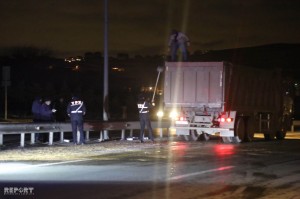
x=174 y=49
x=77 y=125
x=145 y=121
x=37 y=135
x=44 y=137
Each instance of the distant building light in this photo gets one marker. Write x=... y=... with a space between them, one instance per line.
x=73 y=59
x=76 y=68
x=150 y=89
x=118 y=69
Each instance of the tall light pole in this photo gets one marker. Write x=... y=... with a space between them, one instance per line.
x=5 y=83
x=105 y=78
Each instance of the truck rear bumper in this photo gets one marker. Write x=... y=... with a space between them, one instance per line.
x=185 y=130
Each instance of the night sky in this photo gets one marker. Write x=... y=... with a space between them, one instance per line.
x=73 y=27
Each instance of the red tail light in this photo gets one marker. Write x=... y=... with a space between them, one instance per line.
x=228 y=120
x=223 y=119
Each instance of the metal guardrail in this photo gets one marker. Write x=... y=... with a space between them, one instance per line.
x=51 y=128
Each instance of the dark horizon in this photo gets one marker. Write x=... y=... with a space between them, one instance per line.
x=5 y=52
x=135 y=27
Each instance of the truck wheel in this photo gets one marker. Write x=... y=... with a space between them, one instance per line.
x=239 y=130
x=227 y=139
x=268 y=136
x=183 y=138
x=285 y=124
x=203 y=137
x=194 y=135
x=249 y=129
x=280 y=135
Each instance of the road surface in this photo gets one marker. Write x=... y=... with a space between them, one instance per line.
x=166 y=169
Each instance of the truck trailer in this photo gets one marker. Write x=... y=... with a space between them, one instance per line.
x=224 y=99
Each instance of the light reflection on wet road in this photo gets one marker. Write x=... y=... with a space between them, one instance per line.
x=175 y=169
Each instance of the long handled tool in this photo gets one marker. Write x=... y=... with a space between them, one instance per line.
x=159 y=70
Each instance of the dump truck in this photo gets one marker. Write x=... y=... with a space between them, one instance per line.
x=224 y=99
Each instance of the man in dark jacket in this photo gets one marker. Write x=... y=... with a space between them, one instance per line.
x=35 y=109
x=46 y=112
x=36 y=113
x=60 y=114
x=76 y=110
x=144 y=108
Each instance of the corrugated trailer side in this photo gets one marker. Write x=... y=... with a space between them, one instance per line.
x=252 y=89
x=257 y=96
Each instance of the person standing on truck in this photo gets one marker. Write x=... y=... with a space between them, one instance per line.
x=178 y=40
x=76 y=110
x=144 y=115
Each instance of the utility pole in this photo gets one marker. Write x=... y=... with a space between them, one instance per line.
x=105 y=78
x=5 y=83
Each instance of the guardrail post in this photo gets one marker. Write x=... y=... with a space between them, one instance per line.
x=61 y=137
x=32 y=138
x=131 y=132
x=101 y=136
x=50 y=138
x=161 y=132
x=87 y=135
x=1 y=139
x=106 y=135
x=123 y=134
x=22 y=144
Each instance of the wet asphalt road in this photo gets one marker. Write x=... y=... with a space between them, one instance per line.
x=167 y=169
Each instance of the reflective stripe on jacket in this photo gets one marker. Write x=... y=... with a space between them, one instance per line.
x=76 y=109
x=144 y=107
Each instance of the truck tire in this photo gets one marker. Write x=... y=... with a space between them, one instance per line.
x=268 y=136
x=194 y=135
x=249 y=125
x=285 y=122
x=239 y=130
x=227 y=139
x=280 y=135
x=183 y=138
x=203 y=137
